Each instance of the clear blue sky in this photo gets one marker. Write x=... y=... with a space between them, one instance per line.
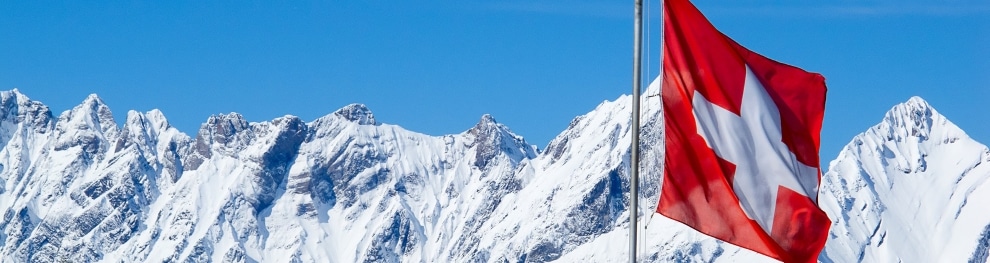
x=437 y=66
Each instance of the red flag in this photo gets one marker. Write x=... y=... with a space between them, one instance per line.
x=742 y=138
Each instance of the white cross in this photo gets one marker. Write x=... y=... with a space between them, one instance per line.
x=752 y=141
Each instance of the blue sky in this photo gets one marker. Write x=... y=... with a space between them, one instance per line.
x=437 y=66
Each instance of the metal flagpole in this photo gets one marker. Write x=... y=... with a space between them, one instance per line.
x=634 y=157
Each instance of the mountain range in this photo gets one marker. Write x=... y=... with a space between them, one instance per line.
x=77 y=187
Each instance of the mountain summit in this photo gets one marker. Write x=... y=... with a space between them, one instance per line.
x=357 y=113
x=910 y=189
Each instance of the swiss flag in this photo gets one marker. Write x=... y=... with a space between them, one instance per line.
x=742 y=138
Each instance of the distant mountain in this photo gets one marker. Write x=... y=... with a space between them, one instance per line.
x=346 y=188
x=910 y=189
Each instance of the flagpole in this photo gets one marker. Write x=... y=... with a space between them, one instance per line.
x=634 y=147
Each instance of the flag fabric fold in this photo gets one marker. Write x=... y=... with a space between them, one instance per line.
x=742 y=138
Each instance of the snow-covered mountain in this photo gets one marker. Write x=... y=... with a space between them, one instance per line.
x=910 y=189
x=346 y=188
x=342 y=188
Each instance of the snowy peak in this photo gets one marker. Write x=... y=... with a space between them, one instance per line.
x=913 y=181
x=487 y=126
x=18 y=108
x=152 y=122
x=913 y=118
x=489 y=138
x=912 y=129
x=98 y=111
x=146 y=128
x=155 y=139
x=93 y=114
x=487 y=119
x=89 y=125
x=358 y=113
x=14 y=95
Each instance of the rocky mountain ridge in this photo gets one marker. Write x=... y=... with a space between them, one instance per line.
x=347 y=188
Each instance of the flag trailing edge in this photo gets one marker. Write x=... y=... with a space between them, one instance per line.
x=742 y=138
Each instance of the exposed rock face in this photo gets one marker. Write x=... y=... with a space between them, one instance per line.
x=357 y=113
